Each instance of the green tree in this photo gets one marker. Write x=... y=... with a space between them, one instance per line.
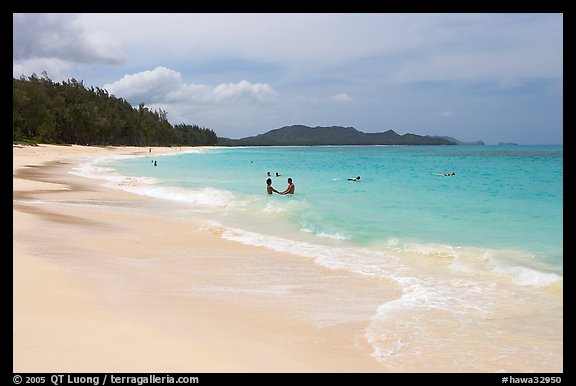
x=71 y=113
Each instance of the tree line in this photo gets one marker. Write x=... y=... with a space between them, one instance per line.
x=70 y=113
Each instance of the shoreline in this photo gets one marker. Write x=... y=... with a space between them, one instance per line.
x=109 y=280
x=102 y=282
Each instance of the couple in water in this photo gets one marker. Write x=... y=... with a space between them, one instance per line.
x=289 y=189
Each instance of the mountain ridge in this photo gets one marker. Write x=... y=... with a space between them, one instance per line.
x=301 y=135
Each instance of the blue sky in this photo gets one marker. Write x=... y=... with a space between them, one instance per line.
x=492 y=77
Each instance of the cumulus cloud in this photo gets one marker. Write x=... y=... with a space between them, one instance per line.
x=342 y=97
x=163 y=85
x=150 y=86
x=242 y=91
x=59 y=36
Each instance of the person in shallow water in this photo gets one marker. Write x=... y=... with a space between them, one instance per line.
x=357 y=178
x=290 y=188
x=269 y=187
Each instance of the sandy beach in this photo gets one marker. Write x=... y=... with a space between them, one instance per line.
x=106 y=280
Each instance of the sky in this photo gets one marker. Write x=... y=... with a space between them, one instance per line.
x=496 y=77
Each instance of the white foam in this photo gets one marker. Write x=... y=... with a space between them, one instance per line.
x=381 y=353
x=188 y=151
x=528 y=277
x=402 y=319
x=147 y=186
x=206 y=196
x=474 y=260
x=332 y=236
x=93 y=168
x=273 y=208
x=358 y=260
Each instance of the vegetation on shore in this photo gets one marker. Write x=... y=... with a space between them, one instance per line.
x=44 y=111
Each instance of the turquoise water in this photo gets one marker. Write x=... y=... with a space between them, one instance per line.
x=478 y=256
x=501 y=197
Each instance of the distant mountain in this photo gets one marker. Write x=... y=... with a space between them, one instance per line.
x=457 y=142
x=299 y=135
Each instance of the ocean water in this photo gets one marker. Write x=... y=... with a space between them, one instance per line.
x=467 y=250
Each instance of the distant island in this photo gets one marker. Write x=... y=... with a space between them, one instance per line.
x=507 y=144
x=300 y=135
x=470 y=143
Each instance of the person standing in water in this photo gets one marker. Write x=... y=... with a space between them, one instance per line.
x=269 y=187
x=290 y=188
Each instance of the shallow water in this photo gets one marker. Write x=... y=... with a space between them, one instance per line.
x=478 y=255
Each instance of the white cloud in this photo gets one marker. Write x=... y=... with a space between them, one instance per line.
x=148 y=86
x=55 y=68
x=342 y=97
x=447 y=114
x=163 y=85
x=242 y=91
x=59 y=36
